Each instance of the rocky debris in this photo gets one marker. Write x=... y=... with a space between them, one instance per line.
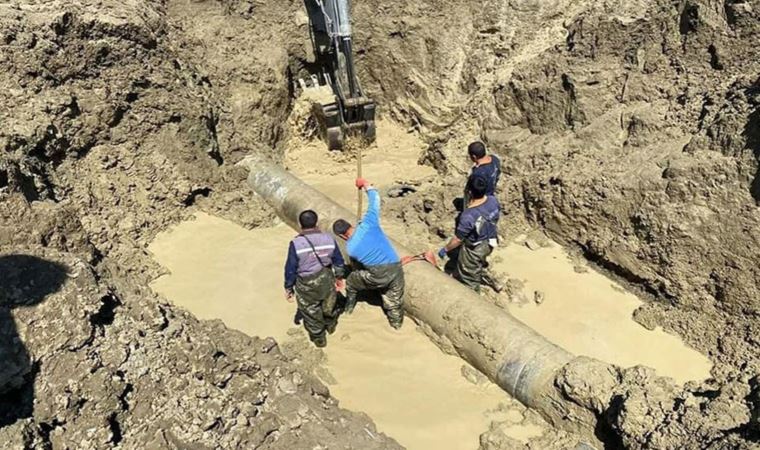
x=628 y=131
x=539 y=297
x=113 y=129
x=638 y=409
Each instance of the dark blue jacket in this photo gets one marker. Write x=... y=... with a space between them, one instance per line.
x=479 y=224
x=491 y=172
x=303 y=260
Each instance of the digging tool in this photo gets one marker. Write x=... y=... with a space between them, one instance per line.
x=359 y=195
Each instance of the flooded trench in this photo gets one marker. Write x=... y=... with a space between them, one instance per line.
x=413 y=391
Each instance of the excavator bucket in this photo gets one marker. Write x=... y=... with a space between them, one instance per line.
x=347 y=112
x=355 y=118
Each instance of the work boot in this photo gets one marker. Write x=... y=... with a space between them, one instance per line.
x=320 y=341
x=331 y=327
x=492 y=282
x=350 y=305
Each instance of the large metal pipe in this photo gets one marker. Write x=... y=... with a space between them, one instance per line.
x=510 y=353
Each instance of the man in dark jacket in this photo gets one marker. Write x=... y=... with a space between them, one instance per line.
x=484 y=165
x=487 y=166
x=476 y=233
x=314 y=261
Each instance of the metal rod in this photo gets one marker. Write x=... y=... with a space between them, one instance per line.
x=359 y=193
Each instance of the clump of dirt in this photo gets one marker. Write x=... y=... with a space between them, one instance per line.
x=638 y=409
x=302 y=121
x=119 y=119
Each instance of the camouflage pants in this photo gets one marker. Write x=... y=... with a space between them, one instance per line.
x=388 y=279
x=316 y=298
x=471 y=264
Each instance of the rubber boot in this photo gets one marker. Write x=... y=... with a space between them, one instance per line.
x=350 y=305
x=396 y=325
x=320 y=341
x=491 y=281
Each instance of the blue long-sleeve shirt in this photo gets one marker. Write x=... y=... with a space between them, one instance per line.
x=368 y=244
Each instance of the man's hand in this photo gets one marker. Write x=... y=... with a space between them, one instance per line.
x=340 y=285
x=361 y=183
x=289 y=295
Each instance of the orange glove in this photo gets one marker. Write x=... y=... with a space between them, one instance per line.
x=361 y=183
x=340 y=285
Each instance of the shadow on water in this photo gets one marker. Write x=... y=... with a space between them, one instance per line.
x=24 y=281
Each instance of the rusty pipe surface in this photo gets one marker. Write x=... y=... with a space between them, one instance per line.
x=511 y=354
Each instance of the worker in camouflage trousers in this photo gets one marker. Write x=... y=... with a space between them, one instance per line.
x=375 y=263
x=314 y=271
x=476 y=233
x=487 y=166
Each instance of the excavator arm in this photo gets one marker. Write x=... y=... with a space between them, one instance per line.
x=350 y=112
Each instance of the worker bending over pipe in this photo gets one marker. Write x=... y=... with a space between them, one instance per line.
x=375 y=263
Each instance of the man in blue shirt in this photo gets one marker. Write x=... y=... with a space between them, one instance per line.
x=485 y=165
x=476 y=233
x=378 y=266
x=314 y=261
x=488 y=167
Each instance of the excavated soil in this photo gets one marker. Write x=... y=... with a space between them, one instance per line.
x=414 y=392
x=630 y=135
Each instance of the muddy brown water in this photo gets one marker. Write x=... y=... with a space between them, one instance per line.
x=588 y=314
x=412 y=390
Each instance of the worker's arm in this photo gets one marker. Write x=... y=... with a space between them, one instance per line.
x=372 y=216
x=466 y=225
x=454 y=242
x=338 y=262
x=497 y=171
x=291 y=271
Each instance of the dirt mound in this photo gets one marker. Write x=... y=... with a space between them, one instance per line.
x=629 y=131
x=638 y=409
x=110 y=132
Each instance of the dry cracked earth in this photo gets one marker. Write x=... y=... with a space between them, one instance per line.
x=629 y=130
